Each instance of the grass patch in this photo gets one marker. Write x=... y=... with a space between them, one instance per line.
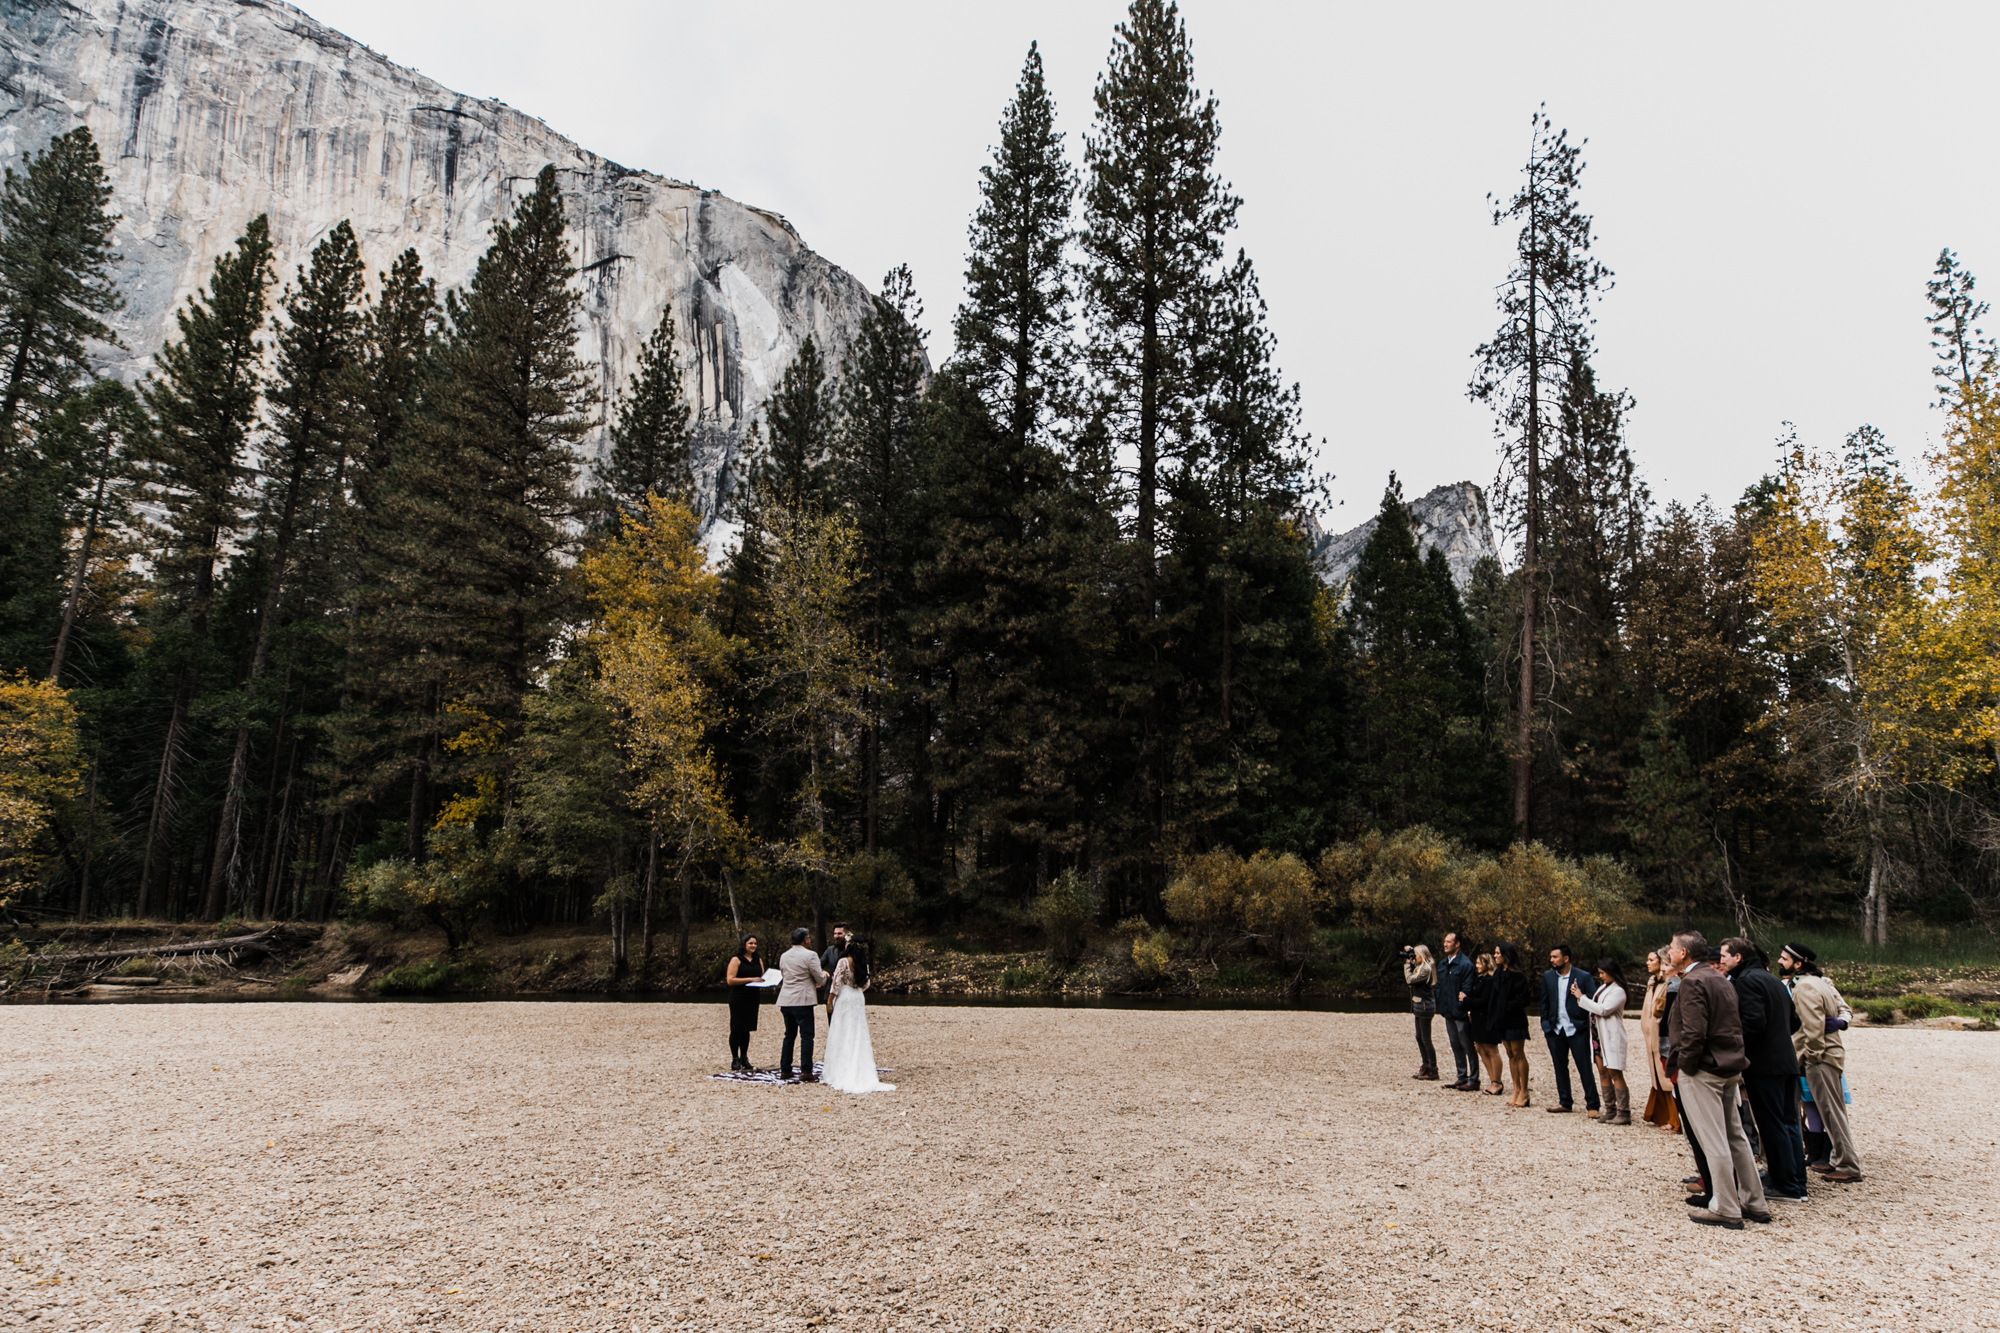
x=431 y=978
x=1022 y=978
x=1912 y=946
x=1914 y=1008
x=147 y=966
x=1238 y=977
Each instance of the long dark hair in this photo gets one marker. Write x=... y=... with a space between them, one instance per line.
x=743 y=946
x=856 y=952
x=1609 y=967
x=1510 y=956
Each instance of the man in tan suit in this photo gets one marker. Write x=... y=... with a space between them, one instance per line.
x=1822 y=1054
x=799 y=978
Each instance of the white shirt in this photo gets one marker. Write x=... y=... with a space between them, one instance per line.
x=1564 y=1024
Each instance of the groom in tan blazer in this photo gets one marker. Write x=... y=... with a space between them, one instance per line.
x=799 y=978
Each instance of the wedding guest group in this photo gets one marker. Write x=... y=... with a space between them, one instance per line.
x=1737 y=1059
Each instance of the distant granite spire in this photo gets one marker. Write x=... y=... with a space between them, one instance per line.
x=1452 y=518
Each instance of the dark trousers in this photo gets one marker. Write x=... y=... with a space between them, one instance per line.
x=1700 y=1157
x=1575 y=1046
x=799 y=1024
x=1463 y=1057
x=1774 y=1105
x=1425 y=1012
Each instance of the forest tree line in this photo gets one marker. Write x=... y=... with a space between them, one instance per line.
x=324 y=616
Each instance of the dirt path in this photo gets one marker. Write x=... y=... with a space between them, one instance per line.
x=568 y=1166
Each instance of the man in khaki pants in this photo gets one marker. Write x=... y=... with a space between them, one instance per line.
x=1822 y=1054
x=1705 y=1052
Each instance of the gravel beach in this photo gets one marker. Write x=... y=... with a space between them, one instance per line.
x=553 y=1166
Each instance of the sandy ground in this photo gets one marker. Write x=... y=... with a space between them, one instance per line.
x=568 y=1166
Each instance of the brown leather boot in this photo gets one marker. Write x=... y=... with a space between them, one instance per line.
x=1624 y=1107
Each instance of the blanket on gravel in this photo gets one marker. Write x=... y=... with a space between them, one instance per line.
x=770 y=1077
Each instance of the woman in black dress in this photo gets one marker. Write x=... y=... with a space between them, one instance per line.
x=1510 y=1017
x=746 y=969
x=1480 y=1013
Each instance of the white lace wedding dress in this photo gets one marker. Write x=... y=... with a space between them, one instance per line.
x=850 y=1053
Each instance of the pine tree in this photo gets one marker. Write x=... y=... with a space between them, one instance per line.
x=789 y=457
x=1594 y=527
x=1545 y=307
x=385 y=728
x=876 y=477
x=488 y=486
x=1419 y=750
x=1240 y=569
x=1008 y=617
x=204 y=404
x=1154 y=218
x=1964 y=352
x=93 y=434
x=1155 y=215
x=649 y=439
x=314 y=424
x=1013 y=330
x=55 y=283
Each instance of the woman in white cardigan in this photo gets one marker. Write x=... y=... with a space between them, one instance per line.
x=1607 y=1028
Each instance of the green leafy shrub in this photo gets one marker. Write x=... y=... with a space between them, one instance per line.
x=1065 y=910
x=426 y=978
x=147 y=966
x=1022 y=978
x=1881 y=1008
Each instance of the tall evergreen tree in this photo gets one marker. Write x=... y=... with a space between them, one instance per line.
x=55 y=278
x=384 y=731
x=1239 y=580
x=1594 y=530
x=1008 y=620
x=1155 y=215
x=1546 y=306
x=204 y=404
x=1013 y=330
x=91 y=439
x=1963 y=349
x=877 y=474
x=1421 y=753
x=488 y=486
x=790 y=453
x=314 y=424
x=649 y=438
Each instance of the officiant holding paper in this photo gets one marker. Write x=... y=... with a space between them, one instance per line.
x=748 y=990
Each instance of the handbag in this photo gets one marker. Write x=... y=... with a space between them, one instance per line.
x=1661 y=1111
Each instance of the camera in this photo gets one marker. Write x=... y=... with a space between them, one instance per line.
x=1409 y=951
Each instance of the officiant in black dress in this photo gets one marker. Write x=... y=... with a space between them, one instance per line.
x=746 y=995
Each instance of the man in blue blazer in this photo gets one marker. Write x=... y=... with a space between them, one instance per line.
x=1566 y=1024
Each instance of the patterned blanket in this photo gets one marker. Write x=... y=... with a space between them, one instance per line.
x=769 y=1077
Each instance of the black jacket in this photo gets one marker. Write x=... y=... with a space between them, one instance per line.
x=1555 y=988
x=1769 y=1020
x=1510 y=1004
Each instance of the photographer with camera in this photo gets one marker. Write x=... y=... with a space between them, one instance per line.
x=1421 y=976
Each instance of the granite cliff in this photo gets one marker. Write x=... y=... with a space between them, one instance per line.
x=1451 y=518
x=209 y=112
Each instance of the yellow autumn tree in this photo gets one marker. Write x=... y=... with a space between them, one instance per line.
x=41 y=765
x=1838 y=574
x=816 y=670
x=656 y=649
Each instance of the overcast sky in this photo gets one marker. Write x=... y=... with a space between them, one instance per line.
x=1771 y=182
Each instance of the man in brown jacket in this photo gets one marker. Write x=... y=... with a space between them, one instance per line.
x=1705 y=1054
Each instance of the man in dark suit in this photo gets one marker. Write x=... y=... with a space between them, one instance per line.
x=1772 y=1081
x=1566 y=1026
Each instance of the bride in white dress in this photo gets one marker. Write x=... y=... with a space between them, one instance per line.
x=850 y=1054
